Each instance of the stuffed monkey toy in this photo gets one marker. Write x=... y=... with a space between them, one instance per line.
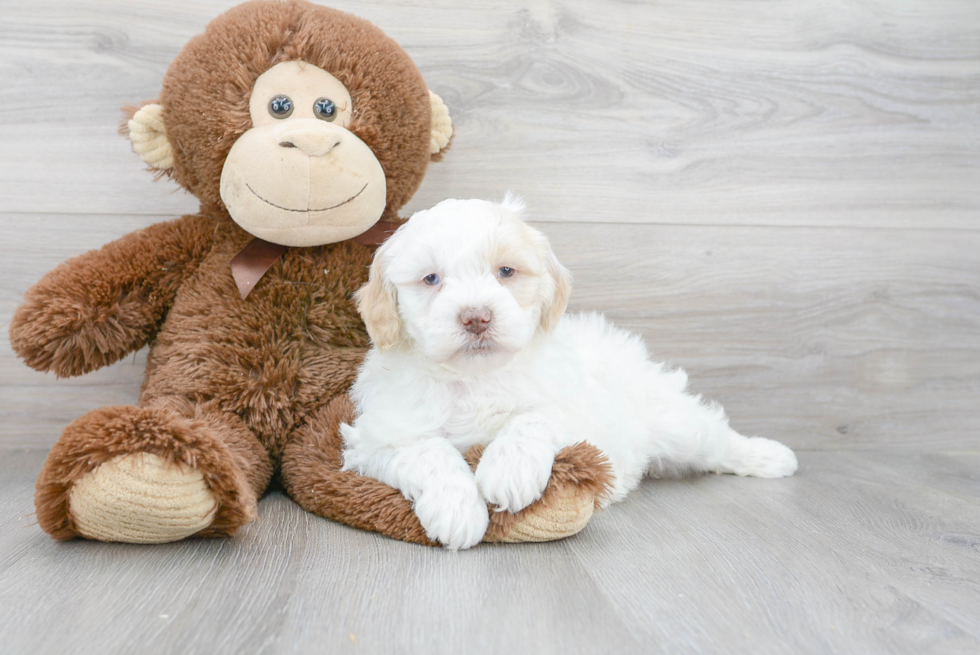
x=302 y=130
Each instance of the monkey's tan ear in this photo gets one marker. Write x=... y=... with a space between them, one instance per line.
x=378 y=306
x=442 y=125
x=149 y=137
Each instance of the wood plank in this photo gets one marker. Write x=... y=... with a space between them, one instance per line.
x=849 y=556
x=293 y=582
x=19 y=533
x=858 y=553
x=956 y=473
x=533 y=598
x=777 y=113
x=823 y=338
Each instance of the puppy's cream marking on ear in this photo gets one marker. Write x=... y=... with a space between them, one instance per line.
x=442 y=124
x=553 y=310
x=149 y=137
x=552 y=307
x=378 y=306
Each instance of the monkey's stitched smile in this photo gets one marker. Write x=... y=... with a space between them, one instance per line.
x=305 y=211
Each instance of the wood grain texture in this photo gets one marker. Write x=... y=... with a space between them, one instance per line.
x=851 y=556
x=825 y=563
x=780 y=195
x=852 y=112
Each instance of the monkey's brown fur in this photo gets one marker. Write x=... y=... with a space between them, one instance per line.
x=239 y=389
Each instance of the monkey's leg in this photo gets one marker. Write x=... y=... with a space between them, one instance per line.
x=152 y=474
x=311 y=471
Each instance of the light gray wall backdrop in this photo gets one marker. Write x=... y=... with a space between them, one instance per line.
x=785 y=205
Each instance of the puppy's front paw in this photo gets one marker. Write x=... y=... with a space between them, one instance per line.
x=453 y=514
x=513 y=473
x=763 y=458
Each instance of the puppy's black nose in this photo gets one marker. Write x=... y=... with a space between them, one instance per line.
x=476 y=320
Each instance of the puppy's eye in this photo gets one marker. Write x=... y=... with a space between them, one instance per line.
x=505 y=271
x=432 y=279
x=280 y=106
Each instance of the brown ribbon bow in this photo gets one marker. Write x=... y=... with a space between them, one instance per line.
x=255 y=259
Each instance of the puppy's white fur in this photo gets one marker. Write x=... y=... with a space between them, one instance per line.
x=531 y=384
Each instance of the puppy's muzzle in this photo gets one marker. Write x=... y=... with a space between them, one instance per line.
x=476 y=320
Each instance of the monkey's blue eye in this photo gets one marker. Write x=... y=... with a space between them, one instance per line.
x=280 y=106
x=432 y=279
x=325 y=109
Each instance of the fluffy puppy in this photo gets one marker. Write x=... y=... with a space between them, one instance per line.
x=464 y=306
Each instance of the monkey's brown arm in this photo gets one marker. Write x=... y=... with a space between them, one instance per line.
x=95 y=308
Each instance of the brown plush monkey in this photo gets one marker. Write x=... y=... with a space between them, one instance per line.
x=302 y=126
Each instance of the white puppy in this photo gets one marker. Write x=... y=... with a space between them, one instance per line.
x=464 y=305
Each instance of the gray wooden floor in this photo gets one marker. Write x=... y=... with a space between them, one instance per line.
x=783 y=196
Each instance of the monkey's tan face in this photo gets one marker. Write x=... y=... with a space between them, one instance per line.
x=300 y=177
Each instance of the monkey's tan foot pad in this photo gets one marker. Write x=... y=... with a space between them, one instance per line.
x=581 y=478
x=141 y=498
x=565 y=516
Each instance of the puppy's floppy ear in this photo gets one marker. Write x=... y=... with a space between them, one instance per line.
x=552 y=310
x=377 y=303
x=560 y=287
